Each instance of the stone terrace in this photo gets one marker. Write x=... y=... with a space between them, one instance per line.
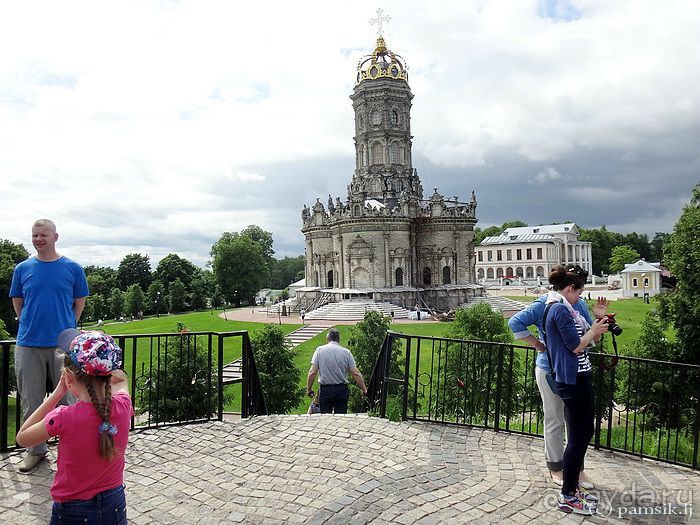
x=353 y=470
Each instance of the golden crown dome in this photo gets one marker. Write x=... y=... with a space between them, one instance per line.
x=382 y=63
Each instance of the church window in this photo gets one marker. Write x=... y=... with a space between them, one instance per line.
x=402 y=155
x=358 y=210
x=446 y=275
x=395 y=154
x=377 y=153
x=394 y=118
x=330 y=279
x=426 y=275
x=376 y=118
x=398 y=277
x=362 y=156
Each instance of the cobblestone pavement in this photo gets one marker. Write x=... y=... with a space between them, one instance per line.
x=356 y=470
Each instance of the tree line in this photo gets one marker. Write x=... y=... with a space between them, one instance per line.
x=242 y=263
x=610 y=250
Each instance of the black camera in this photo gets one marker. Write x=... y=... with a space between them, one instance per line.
x=613 y=327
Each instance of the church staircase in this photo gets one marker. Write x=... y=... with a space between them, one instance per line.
x=497 y=303
x=355 y=311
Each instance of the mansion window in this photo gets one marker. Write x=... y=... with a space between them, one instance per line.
x=539 y=253
x=489 y=255
x=509 y=255
x=519 y=255
x=529 y=254
x=499 y=255
x=481 y=256
x=634 y=283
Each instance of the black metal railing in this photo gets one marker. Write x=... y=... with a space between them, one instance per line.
x=643 y=407
x=175 y=379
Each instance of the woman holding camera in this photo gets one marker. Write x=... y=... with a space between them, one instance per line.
x=568 y=337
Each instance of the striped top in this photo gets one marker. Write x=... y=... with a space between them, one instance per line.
x=584 y=363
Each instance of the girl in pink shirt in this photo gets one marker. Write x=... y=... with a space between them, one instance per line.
x=93 y=433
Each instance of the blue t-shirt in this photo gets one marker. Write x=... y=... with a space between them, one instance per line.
x=49 y=290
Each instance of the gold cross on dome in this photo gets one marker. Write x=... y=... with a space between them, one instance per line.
x=379 y=21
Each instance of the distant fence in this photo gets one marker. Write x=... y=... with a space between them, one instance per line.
x=175 y=379
x=643 y=407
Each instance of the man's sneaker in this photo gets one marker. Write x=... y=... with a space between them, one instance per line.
x=29 y=463
x=575 y=504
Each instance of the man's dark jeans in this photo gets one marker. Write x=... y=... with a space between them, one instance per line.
x=333 y=398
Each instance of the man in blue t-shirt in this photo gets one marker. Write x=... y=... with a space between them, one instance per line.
x=48 y=294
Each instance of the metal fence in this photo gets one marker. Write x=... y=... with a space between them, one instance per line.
x=643 y=407
x=175 y=379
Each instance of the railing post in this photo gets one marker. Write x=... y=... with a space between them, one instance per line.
x=599 y=404
x=383 y=370
x=404 y=408
x=499 y=377
x=5 y=393
x=220 y=378
x=696 y=439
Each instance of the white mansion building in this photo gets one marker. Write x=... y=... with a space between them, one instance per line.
x=530 y=252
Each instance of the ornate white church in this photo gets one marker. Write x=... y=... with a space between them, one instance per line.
x=386 y=240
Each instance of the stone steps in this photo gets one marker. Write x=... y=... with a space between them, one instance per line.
x=355 y=310
x=499 y=304
x=232 y=371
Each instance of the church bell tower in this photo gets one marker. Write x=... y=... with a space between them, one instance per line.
x=381 y=100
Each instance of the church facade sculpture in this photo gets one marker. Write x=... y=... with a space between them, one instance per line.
x=386 y=240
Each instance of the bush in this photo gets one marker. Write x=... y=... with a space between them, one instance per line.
x=279 y=376
x=178 y=388
x=366 y=339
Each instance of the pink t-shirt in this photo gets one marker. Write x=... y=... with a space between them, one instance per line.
x=81 y=472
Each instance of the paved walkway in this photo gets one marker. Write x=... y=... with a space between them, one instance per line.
x=355 y=470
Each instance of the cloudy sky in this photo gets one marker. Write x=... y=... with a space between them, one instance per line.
x=154 y=126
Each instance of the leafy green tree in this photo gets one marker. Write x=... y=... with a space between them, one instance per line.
x=263 y=239
x=101 y=279
x=239 y=266
x=199 y=291
x=156 y=299
x=96 y=307
x=639 y=243
x=173 y=267
x=134 y=268
x=11 y=254
x=177 y=297
x=620 y=256
x=116 y=303
x=682 y=305
x=287 y=271
x=178 y=387
x=4 y=334
x=365 y=343
x=134 y=299
x=465 y=375
x=279 y=376
x=657 y=246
